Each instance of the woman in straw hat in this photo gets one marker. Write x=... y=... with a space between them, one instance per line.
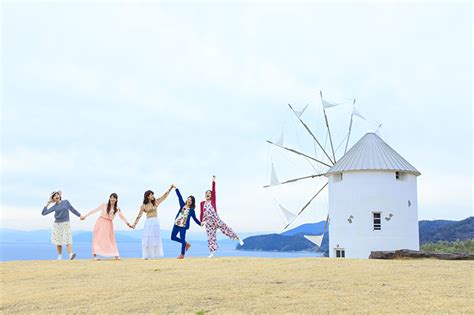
x=61 y=233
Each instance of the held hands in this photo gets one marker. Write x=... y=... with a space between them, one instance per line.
x=130 y=225
x=82 y=217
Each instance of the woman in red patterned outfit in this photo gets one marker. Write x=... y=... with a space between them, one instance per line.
x=211 y=220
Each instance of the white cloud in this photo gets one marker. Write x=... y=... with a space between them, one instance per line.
x=145 y=94
x=30 y=161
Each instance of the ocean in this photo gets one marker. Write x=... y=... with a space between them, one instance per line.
x=10 y=251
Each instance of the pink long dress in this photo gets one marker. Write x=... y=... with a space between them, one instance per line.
x=103 y=241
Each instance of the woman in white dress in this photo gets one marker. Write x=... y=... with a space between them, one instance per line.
x=152 y=246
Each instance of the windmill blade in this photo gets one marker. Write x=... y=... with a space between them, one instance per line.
x=315 y=239
x=274 y=178
x=349 y=135
x=299 y=153
x=341 y=143
x=318 y=239
x=330 y=137
x=309 y=202
x=312 y=135
x=326 y=224
x=280 y=140
x=327 y=104
x=295 y=180
x=378 y=129
x=355 y=112
x=327 y=125
x=306 y=205
x=287 y=215
x=299 y=113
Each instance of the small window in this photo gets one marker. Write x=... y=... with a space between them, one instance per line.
x=340 y=252
x=337 y=177
x=377 y=221
x=400 y=175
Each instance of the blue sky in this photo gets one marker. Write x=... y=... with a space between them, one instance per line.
x=123 y=97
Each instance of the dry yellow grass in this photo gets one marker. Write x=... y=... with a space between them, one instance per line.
x=238 y=285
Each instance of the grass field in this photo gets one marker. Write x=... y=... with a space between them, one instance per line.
x=238 y=285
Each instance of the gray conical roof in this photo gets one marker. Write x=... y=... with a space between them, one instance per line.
x=372 y=153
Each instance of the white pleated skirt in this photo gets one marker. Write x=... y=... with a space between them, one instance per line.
x=61 y=233
x=152 y=246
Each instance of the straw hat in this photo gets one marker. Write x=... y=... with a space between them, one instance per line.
x=54 y=193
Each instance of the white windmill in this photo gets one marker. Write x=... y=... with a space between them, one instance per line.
x=372 y=192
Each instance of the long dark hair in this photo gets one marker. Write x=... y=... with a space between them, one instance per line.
x=145 y=198
x=115 y=205
x=193 y=205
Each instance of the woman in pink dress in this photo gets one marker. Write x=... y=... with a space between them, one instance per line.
x=103 y=242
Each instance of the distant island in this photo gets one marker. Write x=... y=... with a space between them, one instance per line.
x=294 y=240
x=444 y=235
x=289 y=241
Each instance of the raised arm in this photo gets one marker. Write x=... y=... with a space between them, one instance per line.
x=180 y=198
x=165 y=195
x=99 y=208
x=46 y=210
x=71 y=208
x=213 y=197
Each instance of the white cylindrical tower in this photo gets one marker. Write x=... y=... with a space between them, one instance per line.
x=372 y=201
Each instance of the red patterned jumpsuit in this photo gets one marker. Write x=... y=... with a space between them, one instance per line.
x=213 y=222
